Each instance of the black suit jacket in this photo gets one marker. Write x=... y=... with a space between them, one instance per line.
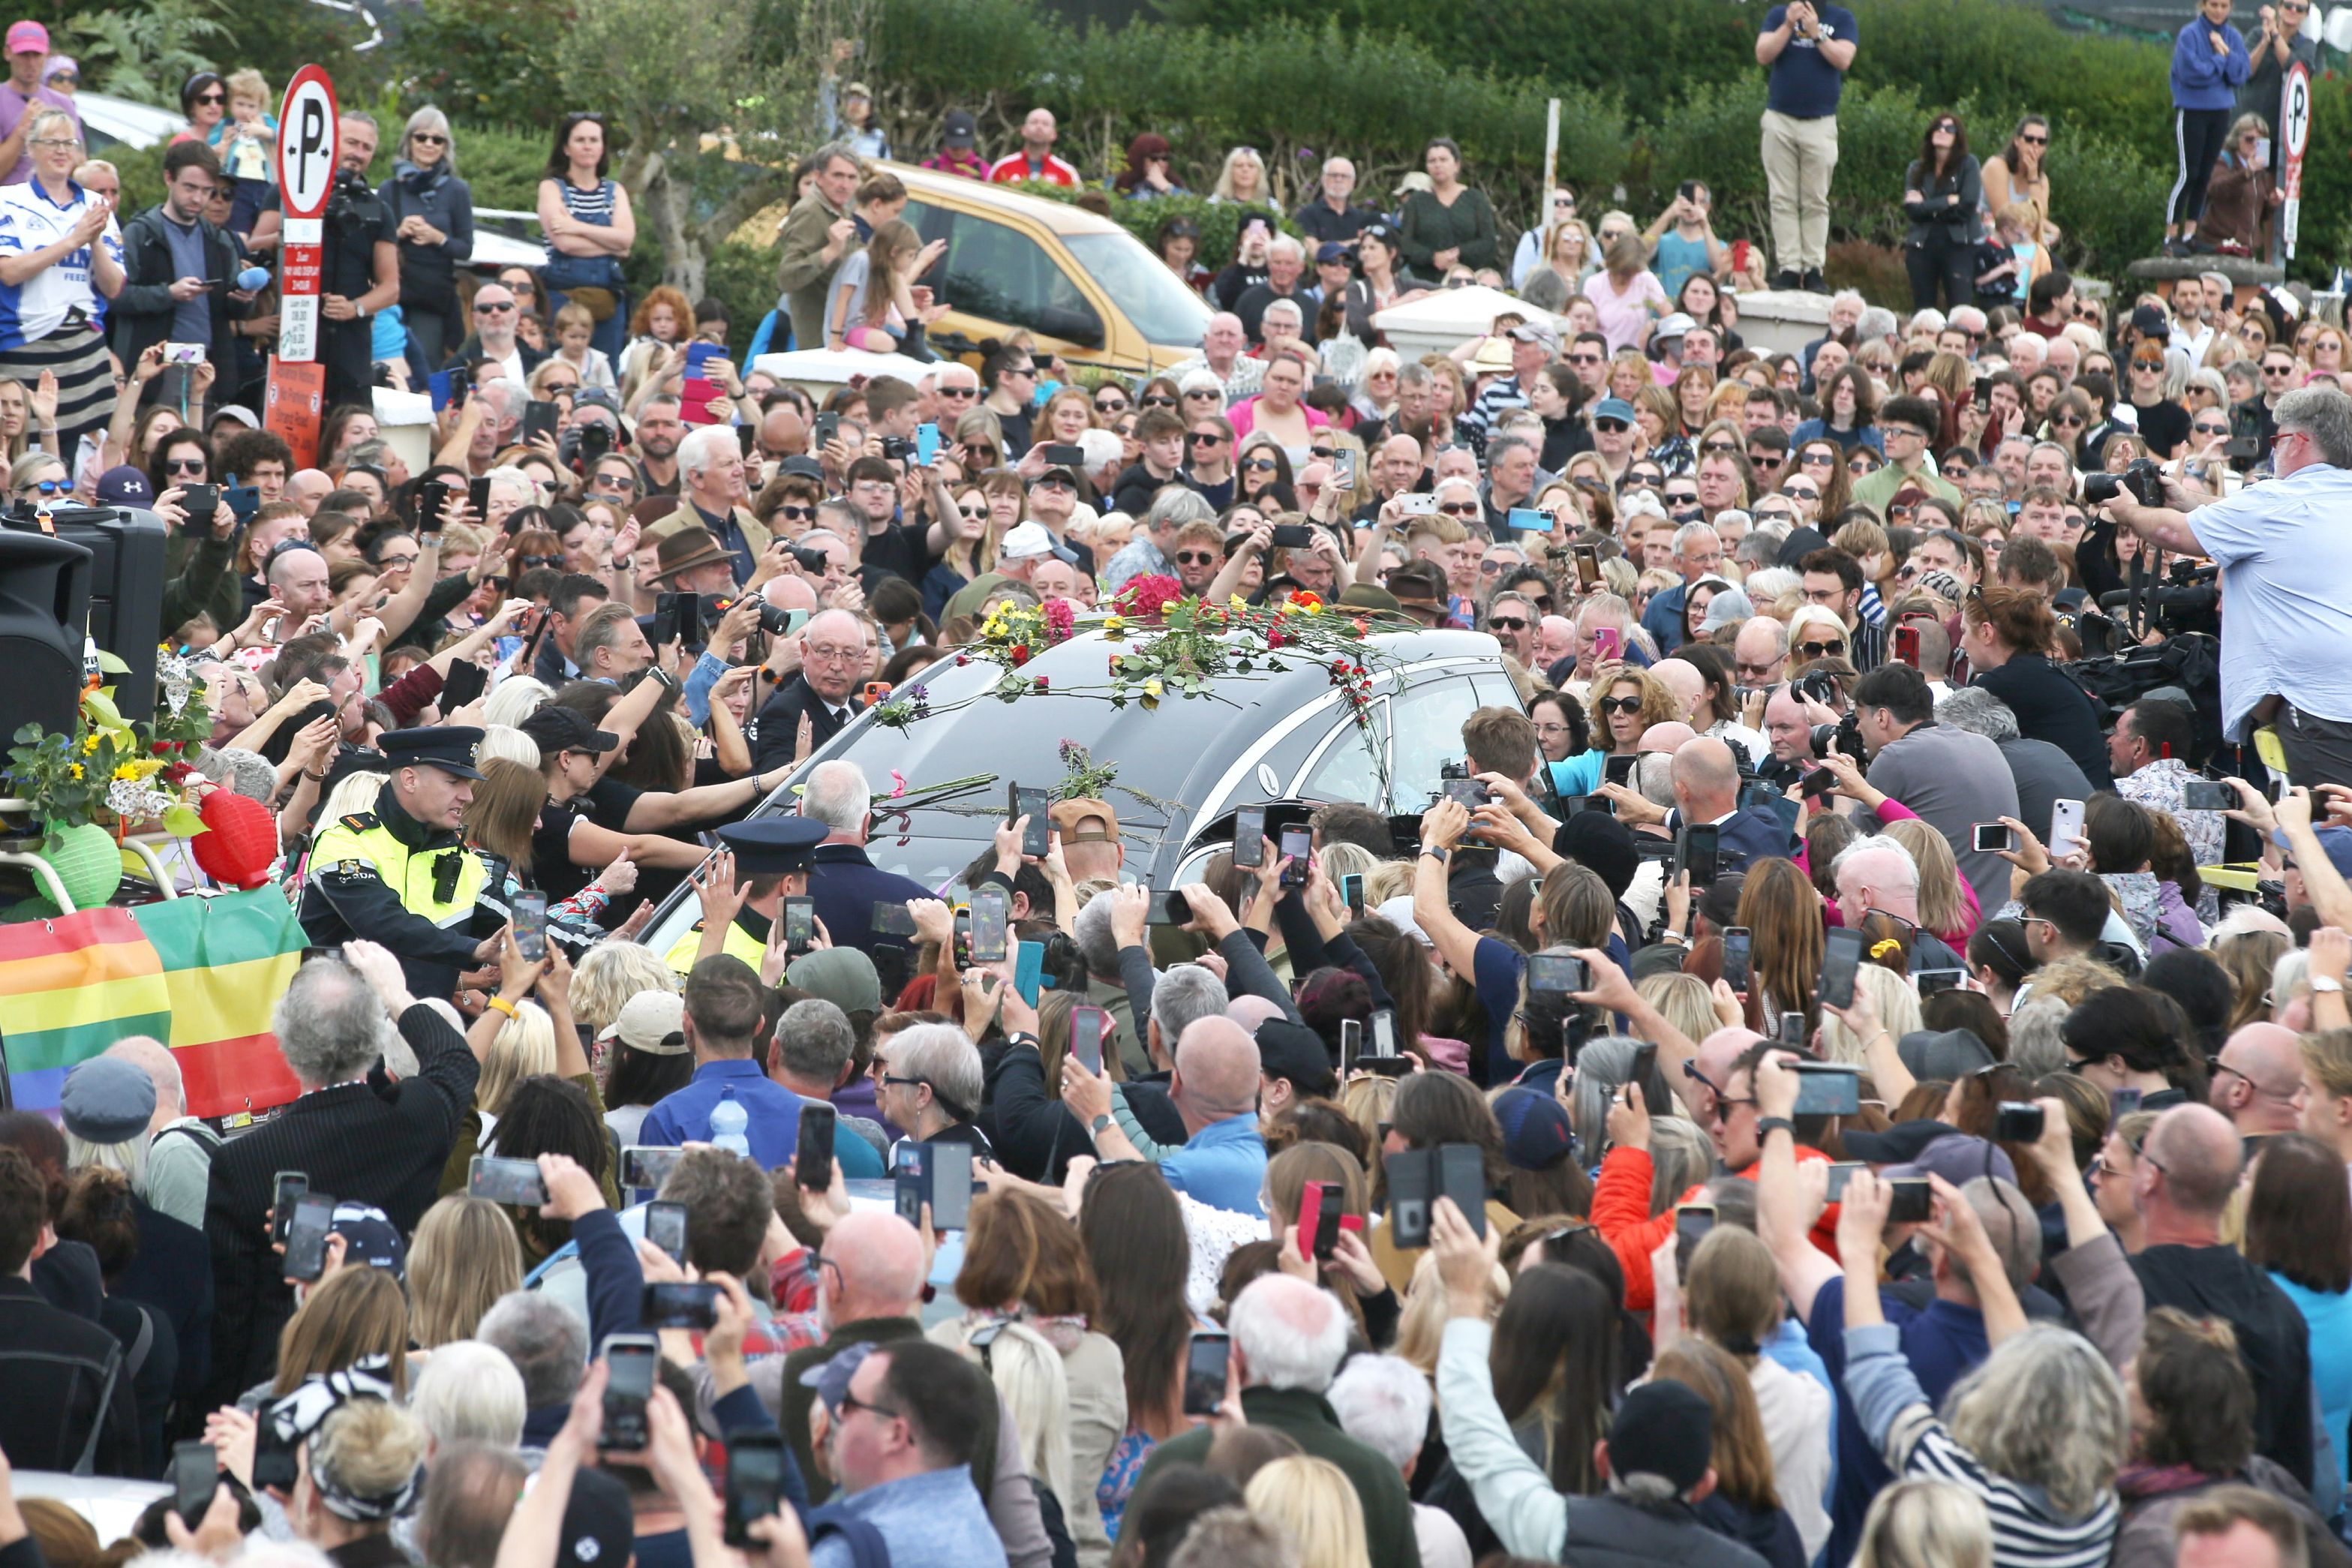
x=142 y=314
x=383 y=1149
x=53 y=1366
x=846 y=885
x=778 y=723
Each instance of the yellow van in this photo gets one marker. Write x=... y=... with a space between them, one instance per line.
x=1085 y=288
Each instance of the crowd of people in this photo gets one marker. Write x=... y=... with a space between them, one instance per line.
x=1853 y=1065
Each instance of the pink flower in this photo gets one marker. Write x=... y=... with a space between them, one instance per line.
x=898 y=783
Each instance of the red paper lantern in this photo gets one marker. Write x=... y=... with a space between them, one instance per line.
x=242 y=841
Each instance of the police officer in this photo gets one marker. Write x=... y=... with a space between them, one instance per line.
x=359 y=262
x=402 y=874
x=763 y=863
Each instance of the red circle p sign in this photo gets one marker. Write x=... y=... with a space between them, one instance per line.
x=306 y=144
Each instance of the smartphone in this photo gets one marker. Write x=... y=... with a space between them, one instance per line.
x=273 y=1459
x=2205 y=794
x=698 y=355
x=1298 y=848
x=540 y=418
x=755 y=1483
x=828 y=428
x=1693 y=1221
x=1906 y=645
x=875 y=692
x=1174 y=909
x=1062 y=455
x=988 y=924
x=1739 y=945
x=1343 y=469
x=2241 y=447
x=647 y=1166
x=1991 y=836
x=1205 y=1372
x=1292 y=536
x=1556 y=972
x=1645 y=1066
x=1351 y=892
x=1414 y=503
x=1088 y=1027
x=747 y=441
x=1409 y=1190
x=1608 y=643
x=199 y=502
x=665 y=619
x=666 y=1228
x=465 y=683
x=812 y=1154
x=1617 y=769
x=432 y=495
x=246 y=500
x=1384 y=1041
x=1930 y=980
x=679 y=1304
x=529 y=911
x=1470 y=793
x=926 y=445
x=1249 y=837
x=909 y=1181
x=195 y=1476
x=2017 y=1121
x=1528 y=519
x=1818 y=783
x=1588 y=566
x=628 y=1387
x=951 y=1183
x=306 y=1236
x=506 y=1181
x=1840 y=1174
x=1320 y=1230
x=892 y=920
x=1840 y=959
x=2065 y=826
x=285 y=1193
x=1462 y=1176
x=1036 y=805
x=1351 y=1046
x=1911 y=1203
x=1028 y=970
x=478 y=496
x=800 y=924
x=1698 y=850
x=1827 y=1089
x=1792 y=1030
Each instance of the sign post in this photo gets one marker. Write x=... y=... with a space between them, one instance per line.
x=1550 y=180
x=307 y=132
x=2294 y=135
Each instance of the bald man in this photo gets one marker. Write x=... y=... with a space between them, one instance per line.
x=308 y=488
x=2256 y=1079
x=1214 y=1090
x=1706 y=793
x=1878 y=873
x=1761 y=655
x=298 y=579
x=2188 y=1168
x=833 y=662
x=870 y=1283
x=179 y=1146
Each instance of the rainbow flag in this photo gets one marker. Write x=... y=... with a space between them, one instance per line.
x=199 y=973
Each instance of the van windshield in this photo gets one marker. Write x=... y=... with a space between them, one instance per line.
x=1163 y=310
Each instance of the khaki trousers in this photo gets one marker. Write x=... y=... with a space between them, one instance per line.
x=1800 y=156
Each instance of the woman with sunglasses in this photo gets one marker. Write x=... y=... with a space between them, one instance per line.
x=1819 y=460
x=2163 y=423
x=1631 y=700
x=65 y=263
x=1814 y=633
x=2071 y=419
x=2017 y=174
x=1849 y=413
x=433 y=214
x=203 y=98
x=1263 y=474
x=971 y=549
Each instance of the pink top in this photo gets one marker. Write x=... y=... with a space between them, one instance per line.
x=1622 y=315
x=1243 y=416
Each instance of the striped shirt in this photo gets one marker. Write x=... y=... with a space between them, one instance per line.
x=2027 y=1532
x=30 y=221
x=592 y=207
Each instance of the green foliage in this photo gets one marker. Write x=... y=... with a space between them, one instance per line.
x=502 y=163
x=483 y=60
x=144 y=55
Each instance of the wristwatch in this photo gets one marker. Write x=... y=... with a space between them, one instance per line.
x=1765 y=1128
x=1094 y=1128
x=1435 y=852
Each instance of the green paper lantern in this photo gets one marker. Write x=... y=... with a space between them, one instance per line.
x=87 y=861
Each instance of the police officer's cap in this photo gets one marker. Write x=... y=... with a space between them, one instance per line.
x=772 y=846
x=449 y=747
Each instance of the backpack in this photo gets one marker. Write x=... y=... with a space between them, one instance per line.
x=866 y=1547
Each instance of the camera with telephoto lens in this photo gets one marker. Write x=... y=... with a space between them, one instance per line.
x=2142 y=479
x=1846 y=736
x=776 y=622
x=344 y=197
x=813 y=561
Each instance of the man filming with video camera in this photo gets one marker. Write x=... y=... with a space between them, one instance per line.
x=359 y=262
x=2285 y=558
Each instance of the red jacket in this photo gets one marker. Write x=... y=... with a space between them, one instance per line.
x=1621 y=1211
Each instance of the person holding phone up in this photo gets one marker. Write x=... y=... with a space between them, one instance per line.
x=744 y=889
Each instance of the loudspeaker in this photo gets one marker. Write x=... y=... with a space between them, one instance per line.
x=44 y=600
x=124 y=593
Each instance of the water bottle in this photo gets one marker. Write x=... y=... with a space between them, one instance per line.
x=728 y=1121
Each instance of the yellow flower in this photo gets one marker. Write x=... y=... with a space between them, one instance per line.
x=89 y=745
x=127 y=771
x=73 y=770
x=1114 y=624
x=1153 y=688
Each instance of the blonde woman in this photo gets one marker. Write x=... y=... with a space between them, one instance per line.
x=1316 y=1504
x=1897 y=1007
x=1948 y=904
x=464 y=1258
x=1243 y=180
x=1926 y=1524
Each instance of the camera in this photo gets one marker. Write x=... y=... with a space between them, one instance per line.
x=346 y=194
x=1846 y=736
x=2142 y=479
x=813 y=561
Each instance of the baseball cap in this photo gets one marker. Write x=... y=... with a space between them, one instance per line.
x=600 y=1527
x=1664 y=1429
x=1330 y=253
x=237 y=411
x=831 y=1378
x=124 y=486
x=653 y=1022
x=1069 y=814
x=107 y=1100
x=370 y=1238
x=2149 y=322
x=845 y=976
x=1024 y=541
x=1293 y=1051
x=1615 y=409
x=1960 y=1158
x=557 y=730
x=960 y=129
x=27 y=38
x=2336 y=841
x=1674 y=326
x=1536 y=1131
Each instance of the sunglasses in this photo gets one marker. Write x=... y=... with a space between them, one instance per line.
x=1764 y=460
x=1612 y=426
x=1260 y=465
x=1817 y=460
x=1197 y=558
x=974 y=512
x=1209 y=439
x=491 y=307
x=2064 y=421
x=212 y=98
x=1821 y=649
x=1802 y=493
x=1619 y=705
x=1112 y=405
x=528 y=562
x=433 y=136
x=1459 y=509
x=2212 y=430
x=1682 y=498
x=1158 y=400
x=1512 y=623
x=185 y=466
x=804 y=513
x=1719 y=448
x=958 y=391
x=2035 y=141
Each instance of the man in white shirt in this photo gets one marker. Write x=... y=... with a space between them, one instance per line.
x=2285 y=557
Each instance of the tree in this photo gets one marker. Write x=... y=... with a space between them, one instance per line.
x=708 y=117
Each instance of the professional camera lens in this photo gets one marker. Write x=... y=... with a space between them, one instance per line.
x=2100 y=488
x=1824 y=738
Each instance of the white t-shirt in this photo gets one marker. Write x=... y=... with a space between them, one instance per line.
x=30 y=221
